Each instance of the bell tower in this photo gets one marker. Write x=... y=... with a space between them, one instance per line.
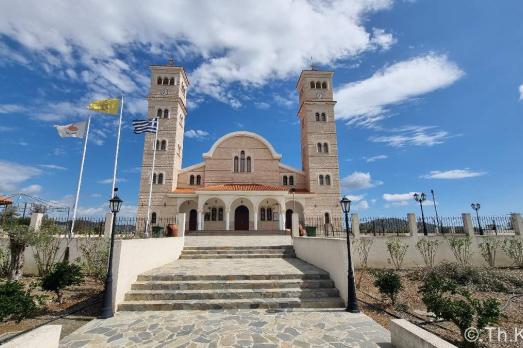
x=167 y=102
x=319 y=146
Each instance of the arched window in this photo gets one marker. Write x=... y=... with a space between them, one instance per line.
x=327 y=179
x=154 y=178
x=236 y=164
x=153 y=218
x=285 y=180
x=160 y=179
x=157 y=145
x=198 y=180
x=321 y=179
x=191 y=180
x=325 y=147
x=159 y=113
x=327 y=218
x=317 y=116
x=324 y=85
x=318 y=84
x=318 y=145
x=248 y=164
x=220 y=214
x=165 y=113
x=166 y=81
x=163 y=145
x=323 y=117
x=171 y=81
x=159 y=81
x=242 y=161
x=262 y=214
x=291 y=180
x=312 y=84
x=213 y=214
x=269 y=214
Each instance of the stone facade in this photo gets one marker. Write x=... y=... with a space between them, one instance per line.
x=241 y=183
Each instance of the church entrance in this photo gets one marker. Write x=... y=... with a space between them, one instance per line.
x=241 y=218
x=193 y=220
x=288 y=219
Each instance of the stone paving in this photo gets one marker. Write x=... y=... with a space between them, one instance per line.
x=232 y=241
x=232 y=328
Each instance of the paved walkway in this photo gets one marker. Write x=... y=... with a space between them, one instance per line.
x=231 y=241
x=232 y=328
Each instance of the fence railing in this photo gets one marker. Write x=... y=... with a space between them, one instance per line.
x=383 y=226
x=492 y=225
x=318 y=227
x=441 y=225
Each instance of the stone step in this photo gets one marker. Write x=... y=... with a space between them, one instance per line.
x=237 y=247
x=239 y=284
x=231 y=277
x=237 y=251
x=237 y=256
x=228 y=294
x=167 y=305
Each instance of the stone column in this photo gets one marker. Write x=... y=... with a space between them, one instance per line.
x=227 y=219
x=200 y=219
x=255 y=222
x=467 y=224
x=355 y=225
x=180 y=222
x=108 y=227
x=295 y=225
x=517 y=224
x=36 y=221
x=412 y=224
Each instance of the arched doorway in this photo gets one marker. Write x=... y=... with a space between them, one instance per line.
x=241 y=218
x=288 y=219
x=193 y=220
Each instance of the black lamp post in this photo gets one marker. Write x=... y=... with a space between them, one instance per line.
x=421 y=198
x=476 y=207
x=115 y=204
x=352 y=302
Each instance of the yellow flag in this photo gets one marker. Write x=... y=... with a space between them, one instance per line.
x=109 y=106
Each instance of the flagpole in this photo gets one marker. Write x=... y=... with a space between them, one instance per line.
x=151 y=183
x=80 y=176
x=117 y=149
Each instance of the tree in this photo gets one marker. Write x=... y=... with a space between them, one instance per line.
x=64 y=274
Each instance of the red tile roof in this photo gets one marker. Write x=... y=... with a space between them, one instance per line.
x=5 y=200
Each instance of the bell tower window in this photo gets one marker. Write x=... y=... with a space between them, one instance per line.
x=236 y=164
x=242 y=161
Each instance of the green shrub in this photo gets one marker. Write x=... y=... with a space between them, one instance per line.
x=461 y=248
x=45 y=248
x=488 y=248
x=95 y=255
x=15 y=302
x=513 y=247
x=448 y=301
x=388 y=283
x=63 y=274
x=397 y=251
x=20 y=236
x=4 y=262
x=427 y=248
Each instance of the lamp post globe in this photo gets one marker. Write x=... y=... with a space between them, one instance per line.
x=115 y=203
x=476 y=207
x=352 y=301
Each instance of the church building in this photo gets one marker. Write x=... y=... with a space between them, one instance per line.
x=241 y=182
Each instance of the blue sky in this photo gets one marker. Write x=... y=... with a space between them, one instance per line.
x=429 y=93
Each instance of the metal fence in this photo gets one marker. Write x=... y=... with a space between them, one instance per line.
x=318 y=227
x=125 y=227
x=377 y=226
x=441 y=225
x=492 y=225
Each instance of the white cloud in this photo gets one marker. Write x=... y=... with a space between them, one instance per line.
x=100 y=211
x=413 y=135
x=453 y=174
x=375 y=158
x=398 y=197
x=52 y=166
x=367 y=101
x=10 y=108
x=521 y=92
x=31 y=189
x=236 y=42
x=358 y=202
x=359 y=180
x=262 y=105
x=12 y=174
x=110 y=180
x=196 y=134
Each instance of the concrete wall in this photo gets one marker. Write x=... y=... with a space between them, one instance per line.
x=404 y=334
x=47 y=336
x=135 y=256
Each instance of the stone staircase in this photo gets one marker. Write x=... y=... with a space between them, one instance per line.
x=252 y=277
